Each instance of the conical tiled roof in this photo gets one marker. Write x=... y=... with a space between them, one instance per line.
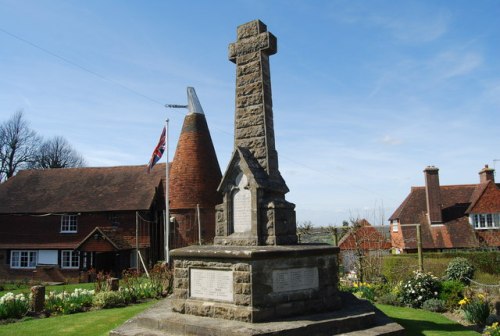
x=195 y=172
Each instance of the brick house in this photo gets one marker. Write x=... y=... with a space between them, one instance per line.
x=363 y=240
x=451 y=217
x=56 y=223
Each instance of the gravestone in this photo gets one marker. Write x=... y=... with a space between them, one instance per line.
x=255 y=271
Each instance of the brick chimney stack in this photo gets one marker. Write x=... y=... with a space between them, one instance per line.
x=487 y=174
x=433 y=195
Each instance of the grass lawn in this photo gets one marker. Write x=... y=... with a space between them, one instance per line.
x=58 y=288
x=418 y=322
x=94 y=323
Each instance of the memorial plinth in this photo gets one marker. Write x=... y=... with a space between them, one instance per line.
x=255 y=283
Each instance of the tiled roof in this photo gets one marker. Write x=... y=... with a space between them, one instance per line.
x=195 y=172
x=80 y=190
x=455 y=199
x=366 y=237
x=455 y=231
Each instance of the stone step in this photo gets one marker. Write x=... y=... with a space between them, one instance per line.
x=358 y=317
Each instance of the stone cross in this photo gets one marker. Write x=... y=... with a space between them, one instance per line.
x=254 y=107
x=254 y=210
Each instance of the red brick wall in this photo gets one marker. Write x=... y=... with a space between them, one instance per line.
x=45 y=232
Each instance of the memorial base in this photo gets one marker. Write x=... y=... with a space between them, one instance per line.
x=255 y=284
x=357 y=317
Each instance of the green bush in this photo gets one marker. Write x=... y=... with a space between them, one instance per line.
x=108 y=299
x=434 y=305
x=398 y=268
x=476 y=309
x=460 y=269
x=390 y=299
x=420 y=288
x=451 y=292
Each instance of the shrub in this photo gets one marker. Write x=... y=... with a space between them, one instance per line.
x=460 y=269
x=451 y=292
x=434 y=305
x=13 y=306
x=108 y=299
x=476 y=309
x=398 y=268
x=420 y=288
x=492 y=330
x=390 y=299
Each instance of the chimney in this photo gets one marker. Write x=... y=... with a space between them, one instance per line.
x=487 y=174
x=433 y=195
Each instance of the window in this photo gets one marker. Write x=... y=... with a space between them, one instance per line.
x=23 y=259
x=485 y=221
x=395 y=226
x=70 y=259
x=69 y=223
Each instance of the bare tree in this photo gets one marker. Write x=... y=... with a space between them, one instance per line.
x=304 y=229
x=57 y=153
x=365 y=247
x=18 y=145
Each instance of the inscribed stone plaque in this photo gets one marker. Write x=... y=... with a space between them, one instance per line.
x=211 y=284
x=242 y=206
x=295 y=279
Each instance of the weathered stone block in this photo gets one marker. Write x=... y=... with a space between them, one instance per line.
x=250 y=132
x=180 y=293
x=249 y=68
x=252 y=100
x=37 y=299
x=243 y=315
x=181 y=272
x=242 y=267
x=241 y=277
x=242 y=299
x=249 y=89
x=178 y=306
x=181 y=283
x=251 y=28
x=244 y=80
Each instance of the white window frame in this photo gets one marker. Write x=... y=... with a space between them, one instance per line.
x=395 y=226
x=485 y=221
x=70 y=259
x=69 y=224
x=30 y=259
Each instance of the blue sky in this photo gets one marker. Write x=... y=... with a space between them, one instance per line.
x=366 y=94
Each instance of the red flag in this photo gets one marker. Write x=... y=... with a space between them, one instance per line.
x=159 y=149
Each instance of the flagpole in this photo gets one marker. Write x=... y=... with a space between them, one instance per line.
x=167 y=210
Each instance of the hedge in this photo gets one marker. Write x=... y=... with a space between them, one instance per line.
x=398 y=267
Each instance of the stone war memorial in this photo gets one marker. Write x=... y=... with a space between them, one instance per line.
x=256 y=279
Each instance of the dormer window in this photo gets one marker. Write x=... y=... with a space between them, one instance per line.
x=69 y=224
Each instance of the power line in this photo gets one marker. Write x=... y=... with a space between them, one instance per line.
x=81 y=67
x=174 y=106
